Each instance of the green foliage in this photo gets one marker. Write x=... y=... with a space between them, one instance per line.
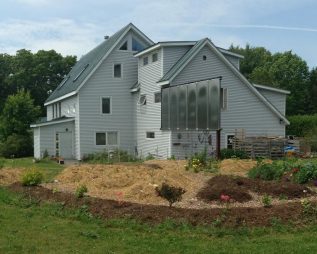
x=201 y=162
x=307 y=172
x=32 y=177
x=170 y=193
x=110 y=157
x=301 y=125
x=2 y=162
x=81 y=191
x=226 y=153
x=267 y=200
x=309 y=209
x=149 y=157
x=17 y=146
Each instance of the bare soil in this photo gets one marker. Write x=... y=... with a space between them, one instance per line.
x=110 y=209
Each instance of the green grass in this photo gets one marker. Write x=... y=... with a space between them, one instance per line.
x=27 y=227
x=48 y=167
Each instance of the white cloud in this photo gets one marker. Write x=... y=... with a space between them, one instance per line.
x=64 y=35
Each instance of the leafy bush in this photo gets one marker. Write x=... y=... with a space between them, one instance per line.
x=307 y=172
x=32 y=177
x=269 y=171
x=17 y=146
x=81 y=191
x=230 y=153
x=267 y=200
x=170 y=193
x=110 y=157
x=200 y=162
x=301 y=124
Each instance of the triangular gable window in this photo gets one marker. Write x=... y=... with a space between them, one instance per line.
x=136 y=45
x=124 y=46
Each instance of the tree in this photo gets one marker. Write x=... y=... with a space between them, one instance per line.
x=312 y=87
x=17 y=115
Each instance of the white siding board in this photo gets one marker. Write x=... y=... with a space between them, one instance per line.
x=37 y=149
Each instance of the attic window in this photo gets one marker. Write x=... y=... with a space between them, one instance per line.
x=142 y=100
x=80 y=72
x=124 y=46
x=204 y=57
x=136 y=45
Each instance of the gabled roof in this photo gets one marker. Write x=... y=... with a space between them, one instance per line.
x=88 y=64
x=185 y=59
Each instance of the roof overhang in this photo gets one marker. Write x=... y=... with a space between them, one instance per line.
x=70 y=119
x=272 y=89
x=60 y=98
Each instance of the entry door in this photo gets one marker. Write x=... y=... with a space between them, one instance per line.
x=66 y=145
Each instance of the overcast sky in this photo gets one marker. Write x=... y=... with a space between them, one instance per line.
x=73 y=27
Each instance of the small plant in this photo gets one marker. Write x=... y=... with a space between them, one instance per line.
x=170 y=193
x=45 y=154
x=32 y=177
x=149 y=157
x=267 y=200
x=172 y=158
x=81 y=191
x=230 y=153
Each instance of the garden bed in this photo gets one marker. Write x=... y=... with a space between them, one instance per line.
x=110 y=209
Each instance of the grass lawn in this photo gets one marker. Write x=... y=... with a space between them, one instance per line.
x=27 y=227
x=48 y=167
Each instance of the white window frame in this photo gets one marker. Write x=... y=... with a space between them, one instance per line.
x=106 y=132
x=106 y=97
x=149 y=132
x=121 y=70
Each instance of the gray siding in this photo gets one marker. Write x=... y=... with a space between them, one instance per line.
x=149 y=115
x=234 y=60
x=103 y=84
x=49 y=112
x=245 y=110
x=48 y=135
x=69 y=106
x=277 y=99
x=171 y=55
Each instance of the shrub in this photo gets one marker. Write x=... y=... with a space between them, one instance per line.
x=81 y=191
x=269 y=171
x=267 y=200
x=32 y=177
x=170 y=193
x=301 y=125
x=230 y=153
x=17 y=146
x=307 y=172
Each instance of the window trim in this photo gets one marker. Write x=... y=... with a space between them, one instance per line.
x=121 y=70
x=145 y=57
x=106 y=132
x=106 y=97
x=228 y=134
x=155 y=53
x=127 y=42
x=149 y=132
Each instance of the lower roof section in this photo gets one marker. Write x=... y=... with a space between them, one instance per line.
x=62 y=119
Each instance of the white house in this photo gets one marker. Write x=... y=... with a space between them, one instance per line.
x=112 y=99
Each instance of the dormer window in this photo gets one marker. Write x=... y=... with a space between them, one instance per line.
x=124 y=46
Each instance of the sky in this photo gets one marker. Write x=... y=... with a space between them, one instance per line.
x=73 y=27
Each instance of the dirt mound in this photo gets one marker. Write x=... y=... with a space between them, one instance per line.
x=239 y=188
x=110 y=209
x=9 y=175
x=237 y=166
x=134 y=182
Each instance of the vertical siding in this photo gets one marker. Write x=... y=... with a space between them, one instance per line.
x=277 y=99
x=245 y=110
x=48 y=133
x=36 y=136
x=171 y=55
x=103 y=84
x=149 y=115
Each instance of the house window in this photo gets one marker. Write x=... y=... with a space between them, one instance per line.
x=124 y=46
x=230 y=141
x=117 y=71
x=224 y=98
x=142 y=99
x=145 y=60
x=112 y=137
x=109 y=138
x=106 y=105
x=53 y=106
x=59 y=109
x=154 y=57
x=150 y=134
x=157 y=97
x=101 y=139
x=136 y=45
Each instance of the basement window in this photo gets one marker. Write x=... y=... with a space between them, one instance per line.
x=150 y=134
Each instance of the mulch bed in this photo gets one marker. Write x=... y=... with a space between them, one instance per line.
x=238 y=188
x=110 y=209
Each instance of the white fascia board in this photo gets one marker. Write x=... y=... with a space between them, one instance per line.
x=226 y=52
x=148 y=50
x=163 y=83
x=273 y=89
x=60 y=98
x=52 y=122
